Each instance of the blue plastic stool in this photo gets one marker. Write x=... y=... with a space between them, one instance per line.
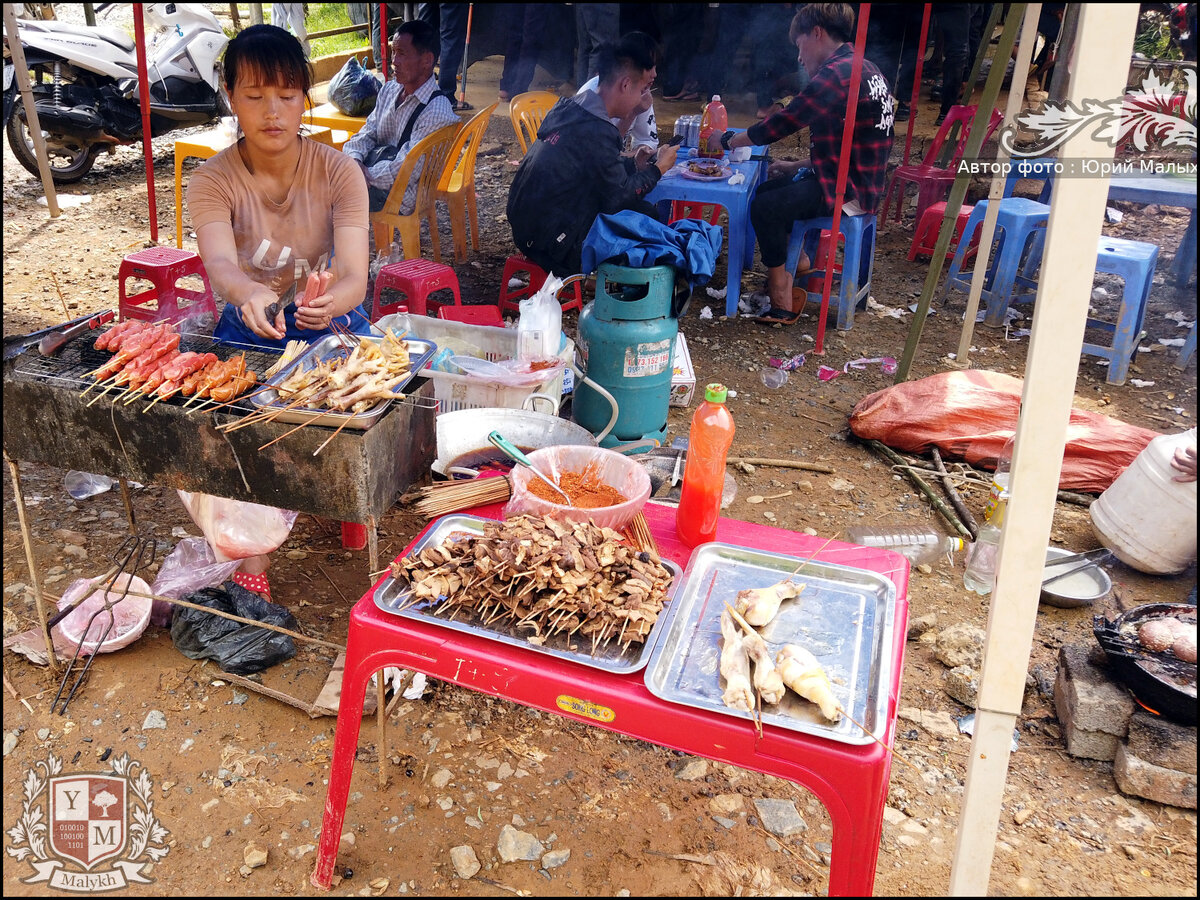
x=1189 y=348
x=1018 y=223
x=1134 y=262
x=854 y=281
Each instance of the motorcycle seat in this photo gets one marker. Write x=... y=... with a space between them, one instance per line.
x=112 y=35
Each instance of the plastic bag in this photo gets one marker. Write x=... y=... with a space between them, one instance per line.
x=129 y=618
x=539 y=329
x=353 y=89
x=970 y=415
x=237 y=529
x=236 y=648
x=190 y=567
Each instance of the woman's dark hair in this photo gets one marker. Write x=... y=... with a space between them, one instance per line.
x=270 y=53
x=837 y=19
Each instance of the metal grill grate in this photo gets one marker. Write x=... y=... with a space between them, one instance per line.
x=71 y=365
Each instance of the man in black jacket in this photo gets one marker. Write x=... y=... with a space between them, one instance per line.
x=574 y=171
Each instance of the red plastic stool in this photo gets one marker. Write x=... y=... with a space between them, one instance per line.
x=925 y=238
x=163 y=267
x=417 y=279
x=479 y=314
x=510 y=297
x=684 y=209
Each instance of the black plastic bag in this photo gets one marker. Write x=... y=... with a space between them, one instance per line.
x=236 y=648
x=353 y=89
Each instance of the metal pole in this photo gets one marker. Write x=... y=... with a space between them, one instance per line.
x=139 y=33
x=89 y=14
x=860 y=42
x=31 y=116
x=958 y=192
x=383 y=60
x=466 y=52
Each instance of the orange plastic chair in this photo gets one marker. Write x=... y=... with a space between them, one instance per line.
x=433 y=150
x=457 y=187
x=527 y=111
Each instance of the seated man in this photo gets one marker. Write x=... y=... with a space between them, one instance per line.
x=793 y=190
x=574 y=171
x=407 y=109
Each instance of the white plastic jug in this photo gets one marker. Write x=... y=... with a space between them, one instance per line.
x=1146 y=518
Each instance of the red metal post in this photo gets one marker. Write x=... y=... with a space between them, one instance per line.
x=860 y=42
x=139 y=33
x=916 y=93
x=384 y=43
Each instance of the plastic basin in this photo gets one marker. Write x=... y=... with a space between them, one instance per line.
x=621 y=473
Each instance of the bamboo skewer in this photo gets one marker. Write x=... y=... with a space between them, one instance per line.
x=282 y=436
x=332 y=436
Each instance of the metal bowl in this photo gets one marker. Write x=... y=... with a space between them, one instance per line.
x=1083 y=588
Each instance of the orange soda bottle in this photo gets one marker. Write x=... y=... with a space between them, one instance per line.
x=709 y=441
x=715 y=121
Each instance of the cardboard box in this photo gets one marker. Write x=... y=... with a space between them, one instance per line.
x=683 y=378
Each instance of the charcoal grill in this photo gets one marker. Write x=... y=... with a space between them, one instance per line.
x=1161 y=682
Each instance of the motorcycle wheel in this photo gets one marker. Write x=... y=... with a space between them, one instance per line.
x=68 y=164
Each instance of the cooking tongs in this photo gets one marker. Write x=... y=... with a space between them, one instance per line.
x=134 y=554
x=49 y=340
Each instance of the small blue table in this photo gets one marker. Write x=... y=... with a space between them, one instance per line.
x=1165 y=190
x=735 y=198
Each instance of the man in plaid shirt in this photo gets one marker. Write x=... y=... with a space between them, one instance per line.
x=406 y=110
x=806 y=190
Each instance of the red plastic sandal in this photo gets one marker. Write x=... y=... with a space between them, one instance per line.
x=256 y=583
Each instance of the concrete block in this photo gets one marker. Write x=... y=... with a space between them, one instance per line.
x=1142 y=779
x=1094 y=701
x=1161 y=742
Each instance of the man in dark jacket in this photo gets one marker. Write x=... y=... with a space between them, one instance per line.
x=574 y=171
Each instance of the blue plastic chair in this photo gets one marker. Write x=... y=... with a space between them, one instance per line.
x=853 y=282
x=1018 y=224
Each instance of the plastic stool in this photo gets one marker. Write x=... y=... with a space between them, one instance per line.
x=1188 y=350
x=1134 y=262
x=163 y=267
x=479 y=314
x=417 y=278
x=510 y=297
x=1017 y=225
x=685 y=209
x=858 y=232
x=925 y=238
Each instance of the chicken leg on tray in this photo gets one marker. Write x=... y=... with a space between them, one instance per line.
x=735 y=667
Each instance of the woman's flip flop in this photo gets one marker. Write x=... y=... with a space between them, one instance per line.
x=777 y=316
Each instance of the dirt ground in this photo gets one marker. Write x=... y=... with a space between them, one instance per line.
x=234 y=768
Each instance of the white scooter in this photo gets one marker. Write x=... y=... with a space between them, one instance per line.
x=85 y=84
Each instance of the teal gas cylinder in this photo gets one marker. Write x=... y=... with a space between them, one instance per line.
x=626 y=341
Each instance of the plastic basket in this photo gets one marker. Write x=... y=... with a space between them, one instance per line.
x=454 y=391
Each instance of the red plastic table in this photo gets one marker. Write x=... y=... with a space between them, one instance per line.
x=849 y=779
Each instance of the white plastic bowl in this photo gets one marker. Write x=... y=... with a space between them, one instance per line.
x=612 y=468
x=130 y=616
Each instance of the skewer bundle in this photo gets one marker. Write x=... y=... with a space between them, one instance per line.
x=544 y=578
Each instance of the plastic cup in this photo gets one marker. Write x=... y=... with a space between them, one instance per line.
x=773 y=378
x=81 y=485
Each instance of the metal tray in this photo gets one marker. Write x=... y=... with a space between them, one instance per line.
x=390 y=596
x=845 y=617
x=329 y=347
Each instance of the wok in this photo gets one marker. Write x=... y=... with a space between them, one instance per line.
x=1159 y=681
x=462 y=436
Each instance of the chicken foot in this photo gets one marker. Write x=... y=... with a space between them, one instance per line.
x=735 y=667
x=804 y=675
x=767 y=680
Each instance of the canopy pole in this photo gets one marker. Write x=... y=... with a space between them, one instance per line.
x=1060 y=315
x=31 y=116
x=466 y=52
x=916 y=91
x=1016 y=99
x=139 y=33
x=860 y=43
x=958 y=191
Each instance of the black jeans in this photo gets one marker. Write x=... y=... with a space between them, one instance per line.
x=525 y=24
x=450 y=19
x=955 y=22
x=776 y=205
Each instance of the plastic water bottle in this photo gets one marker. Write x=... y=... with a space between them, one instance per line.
x=980 y=576
x=1001 y=479
x=918 y=545
x=709 y=440
x=81 y=485
x=715 y=121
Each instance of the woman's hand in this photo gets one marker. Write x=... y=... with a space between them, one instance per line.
x=254 y=314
